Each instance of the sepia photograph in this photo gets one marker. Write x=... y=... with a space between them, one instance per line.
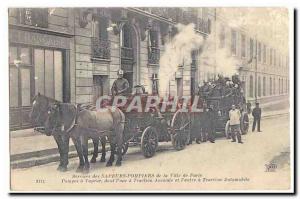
x=151 y=99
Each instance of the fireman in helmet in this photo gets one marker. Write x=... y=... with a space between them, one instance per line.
x=120 y=85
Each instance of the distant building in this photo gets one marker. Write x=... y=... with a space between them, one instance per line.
x=262 y=57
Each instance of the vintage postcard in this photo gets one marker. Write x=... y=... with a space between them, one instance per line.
x=151 y=99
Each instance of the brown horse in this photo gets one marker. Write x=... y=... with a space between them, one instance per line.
x=39 y=114
x=85 y=124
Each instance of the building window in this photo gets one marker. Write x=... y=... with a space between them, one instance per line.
x=233 y=42
x=48 y=62
x=264 y=54
x=287 y=86
x=259 y=87
x=37 y=17
x=274 y=56
x=100 y=42
x=259 y=52
x=243 y=45
x=153 y=47
x=274 y=86
x=271 y=56
x=251 y=86
x=32 y=71
x=20 y=76
x=264 y=86
x=271 y=91
x=279 y=86
x=251 y=48
x=222 y=37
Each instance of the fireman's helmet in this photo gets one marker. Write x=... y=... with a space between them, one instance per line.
x=120 y=72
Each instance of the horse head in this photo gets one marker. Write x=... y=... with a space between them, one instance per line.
x=53 y=121
x=38 y=113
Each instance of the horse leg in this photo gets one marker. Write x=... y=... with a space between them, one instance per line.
x=59 y=143
x=95 y=153
x=103 y=152
x=78 y=147
x=112 y=154
x=84 y=144
x=65 y=151
x=119 y=137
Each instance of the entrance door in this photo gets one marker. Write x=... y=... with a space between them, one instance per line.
x=32 y=71
x=20 y=86
x=97 y=87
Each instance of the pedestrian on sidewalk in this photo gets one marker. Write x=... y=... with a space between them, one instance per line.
x=234 y=121
x=256 y=113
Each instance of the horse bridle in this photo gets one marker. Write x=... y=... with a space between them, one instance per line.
x=41 y=128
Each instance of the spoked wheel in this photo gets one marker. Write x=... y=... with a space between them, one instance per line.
x=125 y=148
x=149 y=142
x=180 y=127
x=244 y=123
x=227 y=130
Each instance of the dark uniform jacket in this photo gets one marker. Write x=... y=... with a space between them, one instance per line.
x=209 y=119
x=120 y=86
x=256 y=113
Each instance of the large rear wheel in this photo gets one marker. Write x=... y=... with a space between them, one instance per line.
x=180 y=129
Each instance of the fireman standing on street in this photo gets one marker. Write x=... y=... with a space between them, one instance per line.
x=234 y=121
x=256 y=113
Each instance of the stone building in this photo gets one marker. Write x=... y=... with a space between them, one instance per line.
x=73 y=54
x=259 y=47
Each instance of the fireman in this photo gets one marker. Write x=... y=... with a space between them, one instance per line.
x=256 y=113
x=120 y=85
x=234 y=121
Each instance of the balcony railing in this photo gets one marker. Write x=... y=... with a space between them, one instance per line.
x=153 y=55
x=100 y=48
x=126 y=53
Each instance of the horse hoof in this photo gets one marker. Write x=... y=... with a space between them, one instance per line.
x=93 y=160
x=79 y=169
x=58 y=168
x=63 y=169
x=118 y=164
x=109 y=164
x=102 y=160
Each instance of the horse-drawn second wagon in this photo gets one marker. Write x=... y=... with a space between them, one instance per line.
x=147 y=126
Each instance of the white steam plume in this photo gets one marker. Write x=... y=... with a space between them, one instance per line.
x=225 y=63
x=177 y=52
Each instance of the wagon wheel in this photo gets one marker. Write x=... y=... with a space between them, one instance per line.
x=180 y=126
x=149 y=142
x=125 y=148
x=244 y=123
x=227 y=130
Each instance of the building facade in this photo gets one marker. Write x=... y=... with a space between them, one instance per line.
x=73 y=54
x=262 y=56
